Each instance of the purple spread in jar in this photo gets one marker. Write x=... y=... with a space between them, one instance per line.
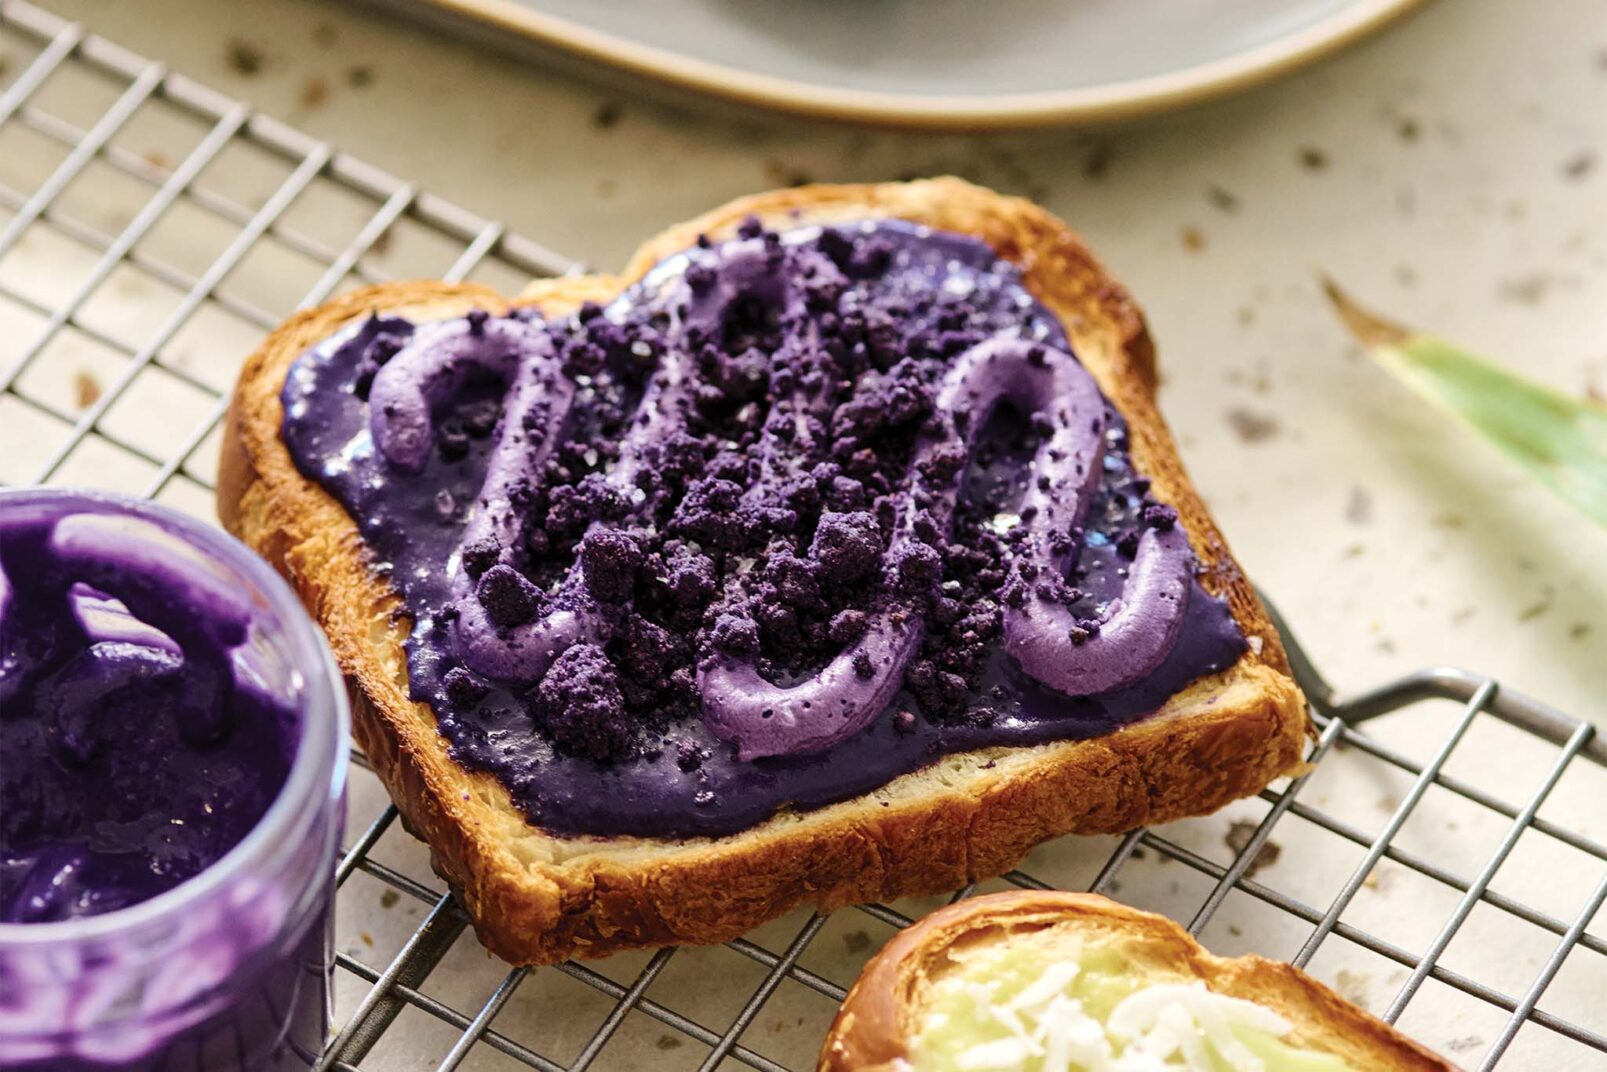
x=795 y=515
x=136 y=754
x=172 y=777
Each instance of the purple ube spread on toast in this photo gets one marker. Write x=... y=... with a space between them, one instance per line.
x=793 y=516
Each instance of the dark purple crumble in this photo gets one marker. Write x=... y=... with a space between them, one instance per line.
x=729 y=552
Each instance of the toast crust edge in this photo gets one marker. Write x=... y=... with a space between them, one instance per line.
x=872 y=1030
x=537 y=898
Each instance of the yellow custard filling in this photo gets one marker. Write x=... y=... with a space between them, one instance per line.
x=1006 y=1006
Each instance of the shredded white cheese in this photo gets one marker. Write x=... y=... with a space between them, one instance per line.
x=1179 y=1018
x=1165 y=1027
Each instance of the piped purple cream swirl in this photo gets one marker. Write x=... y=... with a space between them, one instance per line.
x=760 y=717
x=797 y=513
x=765 y=719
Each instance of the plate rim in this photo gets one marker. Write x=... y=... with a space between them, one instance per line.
x=1087 y=104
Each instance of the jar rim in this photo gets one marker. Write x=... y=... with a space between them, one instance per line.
x=317 y=772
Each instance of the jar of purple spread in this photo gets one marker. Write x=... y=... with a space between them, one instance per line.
x=173 y=749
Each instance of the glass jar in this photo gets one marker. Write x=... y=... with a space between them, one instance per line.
x=230 y=969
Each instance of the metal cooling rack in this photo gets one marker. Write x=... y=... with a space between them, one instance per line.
x=151 y=230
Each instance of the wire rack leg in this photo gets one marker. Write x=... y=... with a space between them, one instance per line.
x=1107 y=874
x=482 y=1019
x=1477 y=887
x=412 y=965
x=622 y=1007
x=1263 y=831
x=762 y=994
x=1391 y=828
x=1526 y=1007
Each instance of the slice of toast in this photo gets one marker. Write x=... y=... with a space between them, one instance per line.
x=884 y=1011
x=537 y=897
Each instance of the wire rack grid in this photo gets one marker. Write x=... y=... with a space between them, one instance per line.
x=151 y=230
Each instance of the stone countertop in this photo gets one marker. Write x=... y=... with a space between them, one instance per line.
x=1451 y=172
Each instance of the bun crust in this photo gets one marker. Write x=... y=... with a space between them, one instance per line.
x=879 y=1017
x=535 y=897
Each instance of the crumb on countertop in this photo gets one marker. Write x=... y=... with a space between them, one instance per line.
x=314 y=92
x=1096 y=165
x=1528 y=289
x=244 y=57
x=1579 y=165
x=780 y=174
x=1252 y=427
x=86 y=389
x=1352 y=986
x=1238 y=839
x=1359 y=507
x=1535 y=609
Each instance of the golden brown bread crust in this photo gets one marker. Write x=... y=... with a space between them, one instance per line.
x=536 y=898
x=881 y=1013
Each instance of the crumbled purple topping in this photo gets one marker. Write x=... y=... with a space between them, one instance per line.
x=508 y=596
x=778 y=515
x=580 y=705
x=761 y=521
x=610 y=559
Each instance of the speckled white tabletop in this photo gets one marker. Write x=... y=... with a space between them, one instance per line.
x=1452 y=172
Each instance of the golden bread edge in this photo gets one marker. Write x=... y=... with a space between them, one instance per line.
x=537 y=898
x=880 y=1016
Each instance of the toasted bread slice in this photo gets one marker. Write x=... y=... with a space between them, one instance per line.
x=884 y=1011
x=536 y=897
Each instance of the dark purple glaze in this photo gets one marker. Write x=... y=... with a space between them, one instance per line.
x=748 y=515
x=134 y=756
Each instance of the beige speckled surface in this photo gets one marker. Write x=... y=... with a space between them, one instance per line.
x=1452 y=172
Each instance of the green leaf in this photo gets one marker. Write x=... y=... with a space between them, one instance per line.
x=1559 y=439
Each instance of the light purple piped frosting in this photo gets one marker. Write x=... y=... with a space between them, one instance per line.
x=760 y=717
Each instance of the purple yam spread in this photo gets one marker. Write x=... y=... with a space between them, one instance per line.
x=795 y=515
x=134 y=753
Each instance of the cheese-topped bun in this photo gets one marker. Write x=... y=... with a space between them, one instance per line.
x=1069 y=982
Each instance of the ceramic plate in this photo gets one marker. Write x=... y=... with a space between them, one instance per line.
x=944 y=63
